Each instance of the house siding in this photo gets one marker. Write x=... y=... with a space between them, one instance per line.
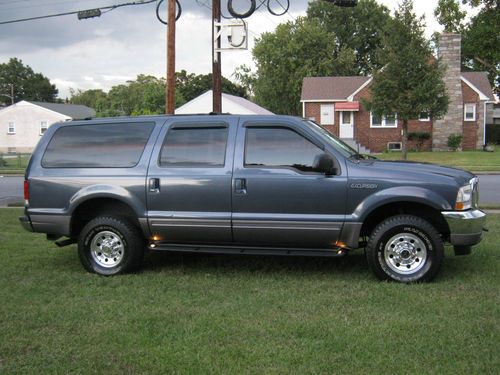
x=471 y=128
x=27 y=118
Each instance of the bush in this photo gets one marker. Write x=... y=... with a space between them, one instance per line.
x=454 y=141
x=3 y=163
x=419 y=138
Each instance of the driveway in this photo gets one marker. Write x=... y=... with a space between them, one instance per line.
x=11 y=189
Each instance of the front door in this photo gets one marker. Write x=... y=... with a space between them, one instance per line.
x=278 y=199
x=346 y=125
x=189 y=181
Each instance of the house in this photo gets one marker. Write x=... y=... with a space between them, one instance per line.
x=335 y=103
x=22 y=124
x=230 y=104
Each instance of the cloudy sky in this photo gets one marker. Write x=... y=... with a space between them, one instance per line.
x=105 y=51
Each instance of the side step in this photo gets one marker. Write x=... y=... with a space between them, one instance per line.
x=207 y=249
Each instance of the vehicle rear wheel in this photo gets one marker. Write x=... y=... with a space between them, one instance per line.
x=110 y=246
x=405 y=248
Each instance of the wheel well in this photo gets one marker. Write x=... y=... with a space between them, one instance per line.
x=93 y=208
x=427 y=213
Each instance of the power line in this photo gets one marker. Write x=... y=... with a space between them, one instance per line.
x=106 y=9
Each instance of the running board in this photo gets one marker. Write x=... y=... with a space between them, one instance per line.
x=207 y=249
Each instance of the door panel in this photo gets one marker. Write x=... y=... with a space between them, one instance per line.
x=346 y=125
x=283 y=205
x=192 y=202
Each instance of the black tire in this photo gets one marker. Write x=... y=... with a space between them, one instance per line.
x=406 y=249
x=110 y=245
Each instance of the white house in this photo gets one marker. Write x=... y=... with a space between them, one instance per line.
x=22 y=124
x=230 y=104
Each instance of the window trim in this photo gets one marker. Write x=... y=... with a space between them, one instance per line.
x=203 y=125
x=383 y=122
x=9 y=127
x=46 y=126
x=246 y=166
x=473 y=105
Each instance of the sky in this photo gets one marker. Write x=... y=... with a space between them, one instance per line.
x=101 y=52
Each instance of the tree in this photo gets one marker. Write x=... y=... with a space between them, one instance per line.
x=27 y=84
x=449 y=14
x=293 y=51
x=411 y=81
x=358 y=29
x=192 y=85
x=480 y=44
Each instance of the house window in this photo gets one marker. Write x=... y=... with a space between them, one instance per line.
x=327 y=113
x=43 y=127
x=389 y=121
x=12 y=128
x=470 y=112
x=424 y=116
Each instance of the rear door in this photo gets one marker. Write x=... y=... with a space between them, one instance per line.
x=278 y=200
x=189 y=180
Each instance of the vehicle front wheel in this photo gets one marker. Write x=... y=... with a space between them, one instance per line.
x=110 y=245
x=405 y=248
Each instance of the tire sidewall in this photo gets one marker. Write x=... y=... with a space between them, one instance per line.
x=88 y=234
x=417 y=227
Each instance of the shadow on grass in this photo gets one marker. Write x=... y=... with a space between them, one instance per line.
x=160 y=261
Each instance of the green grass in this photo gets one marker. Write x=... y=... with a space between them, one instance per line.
x=475 y=161
x=251 y=315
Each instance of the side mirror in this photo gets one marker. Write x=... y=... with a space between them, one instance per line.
x=324 y=163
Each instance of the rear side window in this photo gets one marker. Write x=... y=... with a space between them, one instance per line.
x=197 y=146
x=97 y=146
x=279 y=148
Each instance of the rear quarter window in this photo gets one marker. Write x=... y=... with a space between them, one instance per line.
x=117 y=145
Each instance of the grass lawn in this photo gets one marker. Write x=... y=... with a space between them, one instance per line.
x=235 y=314
x=476 y=161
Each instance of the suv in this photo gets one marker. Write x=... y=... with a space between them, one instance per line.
x=241 y=185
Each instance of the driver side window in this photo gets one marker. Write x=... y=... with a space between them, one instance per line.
x=278 y=147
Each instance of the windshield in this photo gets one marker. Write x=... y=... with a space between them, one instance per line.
x=339 y=145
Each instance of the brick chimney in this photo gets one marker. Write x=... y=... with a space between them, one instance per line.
x=449 y=54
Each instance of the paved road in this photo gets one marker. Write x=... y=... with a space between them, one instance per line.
x=11 y=189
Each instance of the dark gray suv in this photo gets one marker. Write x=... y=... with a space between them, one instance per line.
x=244 y=185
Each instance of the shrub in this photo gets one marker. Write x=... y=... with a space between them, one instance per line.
x=419 y=138
x=454 y=141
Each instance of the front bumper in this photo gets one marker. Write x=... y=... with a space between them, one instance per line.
x=466 y=227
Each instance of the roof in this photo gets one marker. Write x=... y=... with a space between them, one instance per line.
x=75 y=111
x=331 y=88
x=251 y=106
x=480 y=81
x=230 y=103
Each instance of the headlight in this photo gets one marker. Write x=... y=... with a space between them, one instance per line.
x=465 y=196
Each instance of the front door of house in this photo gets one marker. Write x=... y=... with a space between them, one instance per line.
x=346 y=124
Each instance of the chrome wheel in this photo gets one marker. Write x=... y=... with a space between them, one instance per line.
x=405 y=253
x=107 y=249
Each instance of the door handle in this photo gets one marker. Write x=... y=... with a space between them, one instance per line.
x=154 y=185
x=240 y=186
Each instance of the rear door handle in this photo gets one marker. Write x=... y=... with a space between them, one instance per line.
x=240 y=186
x=154 y=185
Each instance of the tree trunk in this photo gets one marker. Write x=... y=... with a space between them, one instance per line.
x=404 y=142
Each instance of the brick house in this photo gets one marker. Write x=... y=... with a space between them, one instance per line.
x=335 y=103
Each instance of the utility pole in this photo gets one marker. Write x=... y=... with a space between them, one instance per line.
x=216 y=57
x=170 y=104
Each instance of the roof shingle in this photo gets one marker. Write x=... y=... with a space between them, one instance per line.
x=331 y=88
